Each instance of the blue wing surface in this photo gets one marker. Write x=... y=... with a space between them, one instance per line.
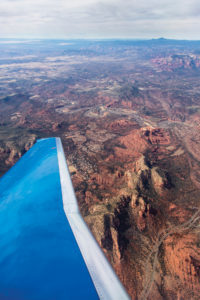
x=43 y=238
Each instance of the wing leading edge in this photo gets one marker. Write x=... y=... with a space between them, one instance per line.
x=46 y=251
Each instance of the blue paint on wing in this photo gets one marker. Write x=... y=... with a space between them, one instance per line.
x=39 y=257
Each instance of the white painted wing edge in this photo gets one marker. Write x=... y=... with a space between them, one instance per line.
x=106 y=282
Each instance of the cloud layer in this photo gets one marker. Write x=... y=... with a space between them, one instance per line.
x=100 y=19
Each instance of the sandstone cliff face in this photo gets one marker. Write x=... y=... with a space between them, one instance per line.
x=156 y=136
x=14 y=155
x=176 y=62
x=11 y=151
x=143 y=233
x=181 y=253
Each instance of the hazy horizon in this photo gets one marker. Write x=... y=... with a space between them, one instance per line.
x=94 y=19
x=38 y=39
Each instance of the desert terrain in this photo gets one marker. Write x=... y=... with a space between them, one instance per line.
x=128 y=114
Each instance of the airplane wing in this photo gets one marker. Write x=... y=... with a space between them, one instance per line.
x=47 y=251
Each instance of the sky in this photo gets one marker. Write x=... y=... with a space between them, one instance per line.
x=66 y=19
